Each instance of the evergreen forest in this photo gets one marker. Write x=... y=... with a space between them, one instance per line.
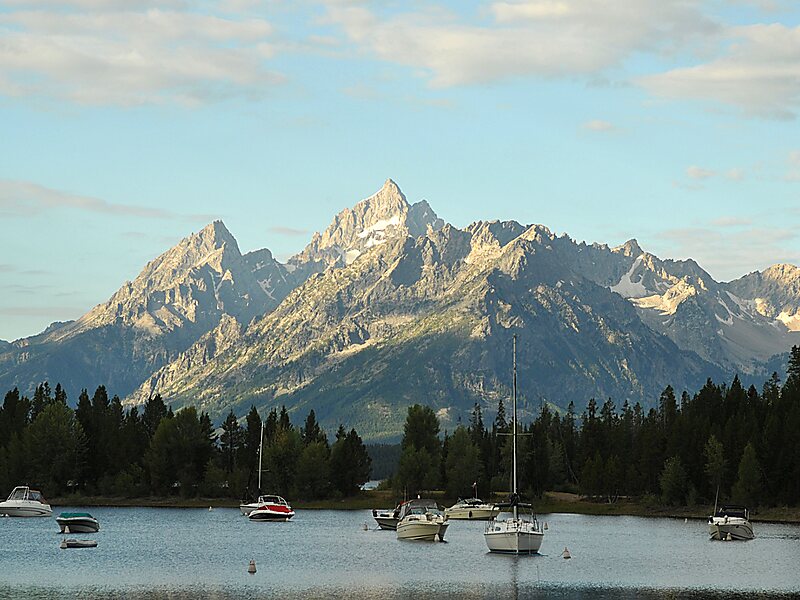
x=99 y=448
x=725 y=441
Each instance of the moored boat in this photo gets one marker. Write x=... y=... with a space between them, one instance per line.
x=77 y=523
x=730 y=523
x=473 y=509
x=520 y=532
x=421 y=520
x=271 y=508
x=25 y=502
x=387 y=518
x=74 y=543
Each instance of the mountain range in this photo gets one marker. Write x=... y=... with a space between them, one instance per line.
x=391 y=305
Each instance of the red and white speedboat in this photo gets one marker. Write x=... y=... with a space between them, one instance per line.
x=271 y=508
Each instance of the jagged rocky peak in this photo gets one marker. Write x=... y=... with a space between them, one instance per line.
x=384 y=215
x=199 y=278
x=775 y=293
x=629 y=248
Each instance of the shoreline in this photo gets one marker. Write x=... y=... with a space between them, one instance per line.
x=552 y=502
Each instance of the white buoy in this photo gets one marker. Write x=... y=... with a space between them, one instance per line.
x=566 y=553
x=545 y=526
x=365 y=527
x=729 y=537
x=251 y=568
x=66 y=529
x=63 y=545
x=210 y=509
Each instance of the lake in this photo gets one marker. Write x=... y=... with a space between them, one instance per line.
x=190 y=553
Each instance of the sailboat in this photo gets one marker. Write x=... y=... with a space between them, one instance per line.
x=514 y=531
x=266 y=508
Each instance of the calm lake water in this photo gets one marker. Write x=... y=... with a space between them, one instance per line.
x=189 y=553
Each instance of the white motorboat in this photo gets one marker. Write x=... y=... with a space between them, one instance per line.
x=77 y=523
x=517 y=533
x=271 y=508
x=473 y=509
x=421 y=520
x=25 y=502
x=730 y=523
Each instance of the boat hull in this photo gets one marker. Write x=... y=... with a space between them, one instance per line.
x=388 y=523
x=73 y=543
x=737 y=529
x=81 y=525
x=423 y=531
x=246 y=509
x=513 y=538
x=25 y=509
x=270 y=515
x=478 y=513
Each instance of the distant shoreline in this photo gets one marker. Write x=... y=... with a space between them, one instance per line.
x=552 y=502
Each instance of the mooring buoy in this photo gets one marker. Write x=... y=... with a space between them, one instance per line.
x=566 y=553
x=545 y=526
x=63 y=544
x=251 y=568
x=210 y=509
x=364 y=526
x=66 y=529
x=729 y=537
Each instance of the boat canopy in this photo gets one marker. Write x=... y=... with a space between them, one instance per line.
x=23 y=492
x=732 y=510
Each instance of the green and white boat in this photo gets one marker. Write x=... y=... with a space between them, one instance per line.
x=75 y=522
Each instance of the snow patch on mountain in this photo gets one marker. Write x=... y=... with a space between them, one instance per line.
x=626 y=287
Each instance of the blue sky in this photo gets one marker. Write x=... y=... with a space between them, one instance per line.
x=127 y=124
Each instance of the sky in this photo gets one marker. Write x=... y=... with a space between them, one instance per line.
x=126 y=125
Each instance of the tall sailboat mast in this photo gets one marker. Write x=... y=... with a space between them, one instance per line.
x=260 y=451
x=514 y=433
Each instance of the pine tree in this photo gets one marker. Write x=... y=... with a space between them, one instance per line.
x=747 y=489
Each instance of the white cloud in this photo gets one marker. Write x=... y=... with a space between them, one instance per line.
x=23 y=198
x=599 y=125
x=794 y=166
x=699 y=173
x=548 y=38
x=127 y=53
x=728 y=256
x=735 y=174
x=759 y=74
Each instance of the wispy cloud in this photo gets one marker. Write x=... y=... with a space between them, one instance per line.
x=699 y=173
x=530 y=38
x=23 y=198
x=759 y=73
x=793 y=174
x=53 y=312
x=728 y=256
x=133 y=52
x=730 y=221
x=599 y=126
x=288 y=231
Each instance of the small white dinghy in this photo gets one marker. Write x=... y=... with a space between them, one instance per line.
x=75 y=543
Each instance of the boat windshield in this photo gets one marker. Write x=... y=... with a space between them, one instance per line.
x=272 y=500
x=732 y=511
x=19 y=493
x=36 y=496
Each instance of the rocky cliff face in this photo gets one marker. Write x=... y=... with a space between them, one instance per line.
x=430 y=319
x=773 y=293
x=177 y=298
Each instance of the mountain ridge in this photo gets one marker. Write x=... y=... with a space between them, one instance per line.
x=388 y=280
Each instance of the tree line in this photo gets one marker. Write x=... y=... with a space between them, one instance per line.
x=737 y=443
x=99 y=448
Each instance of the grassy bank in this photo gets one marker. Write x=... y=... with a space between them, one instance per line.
x=551 y=502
